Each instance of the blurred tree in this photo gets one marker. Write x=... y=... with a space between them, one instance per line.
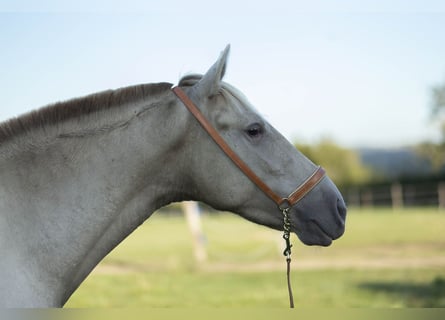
x=436 y=151
x=343 y=165
x=438 y=105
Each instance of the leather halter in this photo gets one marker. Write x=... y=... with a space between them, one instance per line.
x=282 y=203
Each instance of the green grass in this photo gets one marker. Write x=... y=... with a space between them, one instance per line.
x=385 y=259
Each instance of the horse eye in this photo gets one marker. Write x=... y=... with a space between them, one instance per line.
x=255 y=130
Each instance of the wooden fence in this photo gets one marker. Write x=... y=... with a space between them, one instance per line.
x=397 y=195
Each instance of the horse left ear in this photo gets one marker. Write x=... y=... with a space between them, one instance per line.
x=210 y=83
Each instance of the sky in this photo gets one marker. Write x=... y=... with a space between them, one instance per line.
x=359 y=75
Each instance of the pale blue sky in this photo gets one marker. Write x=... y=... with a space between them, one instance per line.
x=361 y=76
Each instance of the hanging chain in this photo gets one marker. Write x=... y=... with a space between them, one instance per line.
x=286 y=236
x=287 y=252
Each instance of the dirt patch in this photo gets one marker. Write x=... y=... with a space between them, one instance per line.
x=297 y=264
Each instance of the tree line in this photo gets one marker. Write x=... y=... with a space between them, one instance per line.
x=343 y=165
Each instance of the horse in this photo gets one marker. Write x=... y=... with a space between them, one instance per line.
x=77 y=177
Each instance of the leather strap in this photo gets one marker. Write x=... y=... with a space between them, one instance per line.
x=289 y=287
x=306 y=186
x=282 y=203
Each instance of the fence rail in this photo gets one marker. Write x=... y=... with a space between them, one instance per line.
x=397 y=195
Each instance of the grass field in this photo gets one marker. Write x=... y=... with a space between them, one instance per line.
x=385 y=259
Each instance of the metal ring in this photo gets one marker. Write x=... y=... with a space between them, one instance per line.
x=284 y=205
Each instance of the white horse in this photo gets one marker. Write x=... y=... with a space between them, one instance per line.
x=77 y=177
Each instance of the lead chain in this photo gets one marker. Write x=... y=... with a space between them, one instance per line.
x=286 y=235
x=287 y=252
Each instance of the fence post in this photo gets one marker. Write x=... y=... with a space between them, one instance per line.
x=354 y=197
x=397 y=195
x=192 y=214
x=367 y=198
x=441 y=194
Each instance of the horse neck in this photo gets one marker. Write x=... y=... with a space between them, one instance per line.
x=80 y=194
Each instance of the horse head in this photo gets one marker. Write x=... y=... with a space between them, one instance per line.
x=317 y=219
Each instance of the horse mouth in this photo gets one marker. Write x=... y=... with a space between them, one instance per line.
x=319 y=235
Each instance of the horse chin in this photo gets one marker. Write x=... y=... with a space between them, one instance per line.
x=310 y=232
x=314 y=235
x=315 y=240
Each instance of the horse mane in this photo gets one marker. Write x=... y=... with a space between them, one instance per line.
x=63 y=111
x=189 y=80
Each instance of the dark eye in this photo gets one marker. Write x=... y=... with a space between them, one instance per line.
x=255 y=131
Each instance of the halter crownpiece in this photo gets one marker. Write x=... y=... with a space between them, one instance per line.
x=284 y=204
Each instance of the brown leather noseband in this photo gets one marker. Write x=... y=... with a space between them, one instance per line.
x=282 y=203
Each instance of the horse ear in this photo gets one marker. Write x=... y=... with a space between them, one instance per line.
x=210 y=83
